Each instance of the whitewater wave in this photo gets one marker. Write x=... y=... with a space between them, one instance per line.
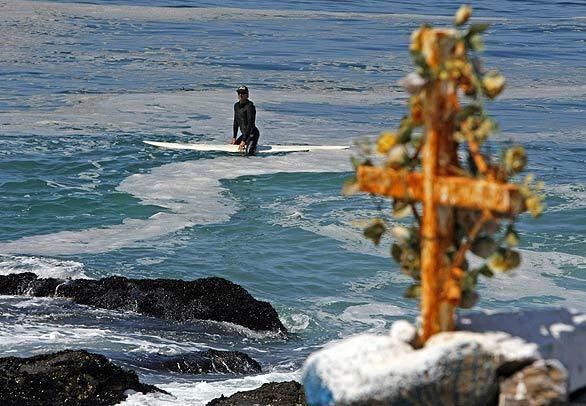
x=43 y=267
x=200 y=393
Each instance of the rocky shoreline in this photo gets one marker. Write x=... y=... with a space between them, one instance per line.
x=211 y=298
x=80 y=378
x=511 y=358
x=76 y=378
x=274 y=393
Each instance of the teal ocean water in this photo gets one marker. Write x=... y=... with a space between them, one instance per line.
x=83 y=84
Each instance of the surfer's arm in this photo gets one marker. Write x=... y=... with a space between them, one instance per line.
x=234 y=126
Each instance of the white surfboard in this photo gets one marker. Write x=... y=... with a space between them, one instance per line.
x=261 y=149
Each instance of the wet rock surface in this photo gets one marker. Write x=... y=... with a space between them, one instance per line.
x=205 y=362
x=545 y=382
x=76 y=378
x=273 y=393
x=203 y=299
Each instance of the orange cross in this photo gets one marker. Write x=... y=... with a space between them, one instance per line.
x=440 y=191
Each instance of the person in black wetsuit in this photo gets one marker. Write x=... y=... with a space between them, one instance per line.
x=244 y=118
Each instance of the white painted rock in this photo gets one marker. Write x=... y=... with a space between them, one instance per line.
x=452 y=369
x=558 y=333
x=402 y=330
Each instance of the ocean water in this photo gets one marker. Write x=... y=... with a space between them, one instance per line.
x=82 y=84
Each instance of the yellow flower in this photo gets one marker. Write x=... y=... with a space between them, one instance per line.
x=386 y=141
x=511 y=238
x=417 y=39
x=534 y=205
x=462 y=15
x=493 y=84
x=416 y=110
x=515 y=159
x=460 y=49
x=483 y=130
x=504 y=260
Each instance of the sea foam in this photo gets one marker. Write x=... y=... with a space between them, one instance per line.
x=192 y=193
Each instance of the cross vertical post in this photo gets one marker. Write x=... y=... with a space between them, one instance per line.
x=439 y=152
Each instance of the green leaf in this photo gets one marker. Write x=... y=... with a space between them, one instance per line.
x=467 y=111
x=485 y=270
x=405 y=130
x=375 y=231
x=468 y=299
x=483 y=247
x=476 y=43
x=396 y=252
x=511 y=236
x=359 y=161
x=401 y=209
x=423 y=68
x=504 y=260
x=469 y=280
x=413 y=292
x=477 y=28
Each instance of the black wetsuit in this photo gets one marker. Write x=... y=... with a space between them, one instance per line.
x=244 y=118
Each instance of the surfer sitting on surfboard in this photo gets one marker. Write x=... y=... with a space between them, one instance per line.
x=244 y=118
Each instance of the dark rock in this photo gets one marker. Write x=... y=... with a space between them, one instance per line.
x=27 y=284
x=274 y=393
x=76 y=378
x=203 y=299
x=206 y=362
x=578 y=397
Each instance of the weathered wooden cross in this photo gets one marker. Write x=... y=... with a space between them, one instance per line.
x=440 y=190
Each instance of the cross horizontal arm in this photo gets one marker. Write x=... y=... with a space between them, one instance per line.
x=475 y=194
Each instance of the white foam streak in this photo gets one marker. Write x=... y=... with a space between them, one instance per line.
x=573 y=194
x=46 y=337
x=294 y=213
x=16 y=337
x=371 y=314
x=134 y=113
x=190 y=190
x=537 y=277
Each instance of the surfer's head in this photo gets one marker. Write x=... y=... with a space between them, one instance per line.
x=242 y=89
x=242 y=93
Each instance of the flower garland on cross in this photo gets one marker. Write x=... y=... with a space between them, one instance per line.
x=464 y=206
